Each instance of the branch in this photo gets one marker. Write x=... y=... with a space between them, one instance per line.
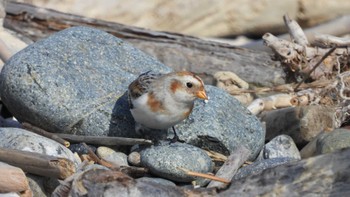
x=44 y=133
x=40 y=164
x=230 y=167
x=102 y=140
x=297 y=34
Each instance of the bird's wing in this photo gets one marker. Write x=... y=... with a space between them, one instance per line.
x=141 y=85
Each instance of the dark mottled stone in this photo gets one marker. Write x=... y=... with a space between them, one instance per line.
x=259 y=166
x=280 y=146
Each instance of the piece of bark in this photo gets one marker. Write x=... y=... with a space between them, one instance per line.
x=324 y=175
x=177 y=51
x=12 y=179
x=230 y=167
x=40 y=164
x=102 y=140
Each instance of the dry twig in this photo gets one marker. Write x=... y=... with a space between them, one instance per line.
x=206 y=176
x=44 y=133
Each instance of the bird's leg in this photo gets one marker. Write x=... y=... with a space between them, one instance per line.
x=176 y=137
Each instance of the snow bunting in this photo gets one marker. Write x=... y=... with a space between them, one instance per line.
x=160 y=101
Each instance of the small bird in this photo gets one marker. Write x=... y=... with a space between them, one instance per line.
x=160 y=101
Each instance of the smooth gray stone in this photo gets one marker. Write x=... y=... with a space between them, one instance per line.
x=332 y=141
x=20 y=139
x=112 y=156
x=259 y=166
x=280 y=146
x=164 y=160
x=71 y=81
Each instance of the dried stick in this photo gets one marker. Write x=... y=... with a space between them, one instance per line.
x=216 y=156
x=40 y=164
x=44 y=133
x=102 y=140
x=230 y=167
x=297 y=34
x=329 y=41
x=314 y=68
x=206 y=176
x=97 y=159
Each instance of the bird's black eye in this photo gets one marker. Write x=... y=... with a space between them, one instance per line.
x=189 y=84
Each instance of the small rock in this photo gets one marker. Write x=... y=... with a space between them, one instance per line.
x=165 y=160
x=280 y=146
x=110 y=155
x=21 y=139
x=80 y=148
x=134 y=158
x=258 y=166
x=332 y=141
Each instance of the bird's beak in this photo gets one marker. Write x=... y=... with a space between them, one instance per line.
x=202 y=95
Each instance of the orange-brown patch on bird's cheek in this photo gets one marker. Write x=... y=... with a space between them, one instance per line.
x=175 y=85
x=154 y=104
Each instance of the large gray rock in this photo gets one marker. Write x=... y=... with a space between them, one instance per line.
x=324 y=175
x=75 y=82
x=70 y=81
x=165 y=160
x=222 y=124
x=20 y=139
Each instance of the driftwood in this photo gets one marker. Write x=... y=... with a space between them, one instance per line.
x=13 y=179
x=102 y=140
x=44 y=133
x=231 y=165
x=270 y=103
x=225 y=18
x=174 y=50
x=40 y=164
x=336 y=27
